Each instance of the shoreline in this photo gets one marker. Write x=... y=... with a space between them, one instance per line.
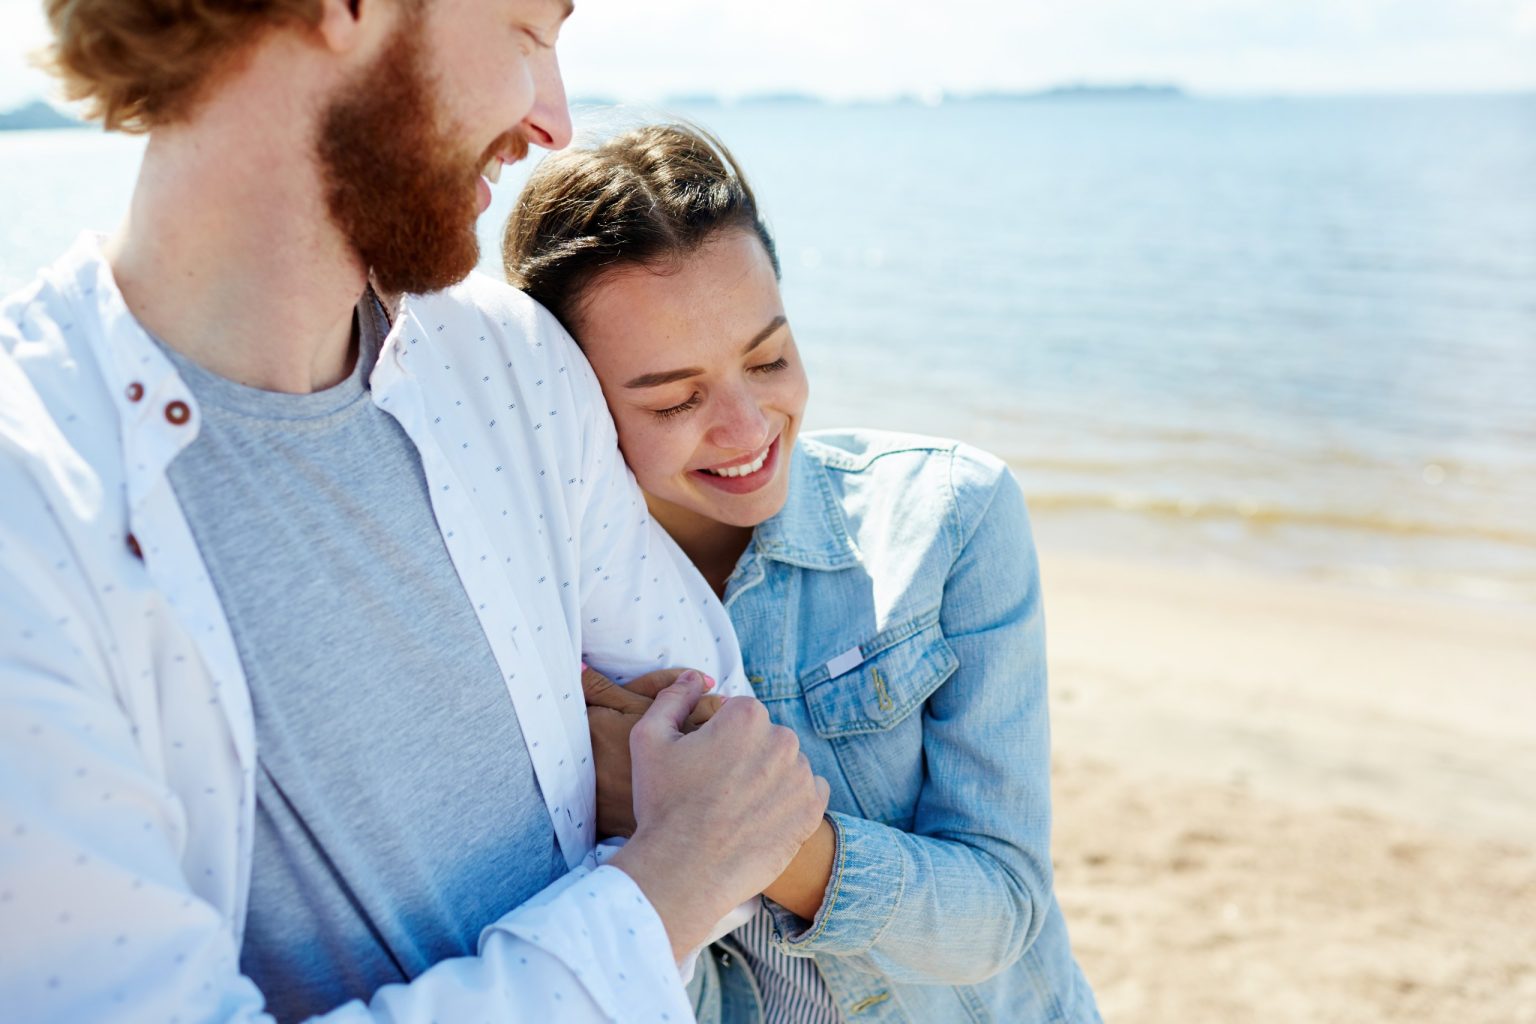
x=1499 y=573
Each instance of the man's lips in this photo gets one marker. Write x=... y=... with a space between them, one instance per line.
x=509 y=148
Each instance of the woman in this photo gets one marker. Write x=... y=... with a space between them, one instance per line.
x=884 y=588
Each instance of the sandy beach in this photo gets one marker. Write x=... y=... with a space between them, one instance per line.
x=1286 y=802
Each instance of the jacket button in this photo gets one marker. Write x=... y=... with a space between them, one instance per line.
x=177 y=412
x=135 y=391
x=134 y=549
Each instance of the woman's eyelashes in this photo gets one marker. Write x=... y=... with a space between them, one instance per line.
x=773 y=367
x=694 y=399
x=678 y=409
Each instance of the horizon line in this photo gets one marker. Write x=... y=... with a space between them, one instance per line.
x=1066 y=90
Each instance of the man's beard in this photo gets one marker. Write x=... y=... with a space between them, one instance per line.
x=397 y=185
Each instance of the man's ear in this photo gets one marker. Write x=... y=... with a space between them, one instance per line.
x=341 y=22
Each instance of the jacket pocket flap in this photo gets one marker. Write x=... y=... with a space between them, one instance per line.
x=899 y=668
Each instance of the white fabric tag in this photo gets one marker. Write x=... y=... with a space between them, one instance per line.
x=850 y=659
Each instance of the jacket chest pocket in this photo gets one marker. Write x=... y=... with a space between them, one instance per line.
x=868 y=714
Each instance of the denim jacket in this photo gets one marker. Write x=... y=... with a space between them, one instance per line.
x=890 y=614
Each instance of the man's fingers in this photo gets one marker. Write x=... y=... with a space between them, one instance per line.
x=602 y=692
x=670 y=710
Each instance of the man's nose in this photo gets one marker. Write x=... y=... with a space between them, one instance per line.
x=548 y=124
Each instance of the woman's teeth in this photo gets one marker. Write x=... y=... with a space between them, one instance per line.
x=746 y=469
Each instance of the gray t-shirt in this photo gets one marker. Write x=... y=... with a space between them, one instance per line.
x=397 y=811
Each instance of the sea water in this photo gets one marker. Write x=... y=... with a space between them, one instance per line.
x=1292 y=334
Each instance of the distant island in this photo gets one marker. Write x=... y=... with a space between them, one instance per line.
x=773 y=98
x=1074 y=91
x=749 y=99
x=691 y=99
x=37 y=115
x=40 y=115
x=1084 y=91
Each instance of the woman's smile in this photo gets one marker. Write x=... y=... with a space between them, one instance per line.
x=701 y=372
x=743 y=477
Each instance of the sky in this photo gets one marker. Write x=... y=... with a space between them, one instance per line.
x=868 y=49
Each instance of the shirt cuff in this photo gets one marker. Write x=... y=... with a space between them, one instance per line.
x=599 y=924
x=869 y=876
x=604 y=852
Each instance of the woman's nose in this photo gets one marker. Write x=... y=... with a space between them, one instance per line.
x=741 y=425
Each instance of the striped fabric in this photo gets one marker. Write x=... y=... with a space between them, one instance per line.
x=792 y=988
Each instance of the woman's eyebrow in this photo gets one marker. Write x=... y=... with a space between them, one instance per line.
x=765 y=333
x=655 y=380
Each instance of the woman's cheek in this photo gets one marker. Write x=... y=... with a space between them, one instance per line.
x=633 y=444
x=652 y=454
x=795 y=388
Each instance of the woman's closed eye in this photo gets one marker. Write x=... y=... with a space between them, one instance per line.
x=678 y=409
x=693 y=400
x=773 y=367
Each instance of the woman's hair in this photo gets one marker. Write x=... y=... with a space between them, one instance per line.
x=645 y=197
x=140 y=64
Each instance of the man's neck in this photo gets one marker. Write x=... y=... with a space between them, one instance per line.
x=228 y=255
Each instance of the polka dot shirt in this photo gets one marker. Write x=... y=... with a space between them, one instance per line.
x=126 y=740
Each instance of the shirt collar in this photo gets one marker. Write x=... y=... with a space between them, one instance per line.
x=158 y=414
x=156 y=408
x=809 y=531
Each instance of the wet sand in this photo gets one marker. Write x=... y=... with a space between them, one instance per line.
x=1285 y=802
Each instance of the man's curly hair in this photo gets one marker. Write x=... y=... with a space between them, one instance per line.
x=140 y=64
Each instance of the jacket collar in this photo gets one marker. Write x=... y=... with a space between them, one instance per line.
x=809 y=531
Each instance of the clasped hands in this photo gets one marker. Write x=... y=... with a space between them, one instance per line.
x=612 y=712
x=717 y=781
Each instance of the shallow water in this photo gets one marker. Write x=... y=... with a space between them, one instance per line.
x=1297 y=334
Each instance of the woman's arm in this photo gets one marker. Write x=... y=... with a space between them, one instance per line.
x=963 y=895
x=803 y=885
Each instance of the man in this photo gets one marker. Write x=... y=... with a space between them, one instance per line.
x=296 y=573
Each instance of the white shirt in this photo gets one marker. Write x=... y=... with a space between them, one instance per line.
x=126 y=739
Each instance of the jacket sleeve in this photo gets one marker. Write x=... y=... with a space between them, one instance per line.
x=98 y=920
x=963 y=895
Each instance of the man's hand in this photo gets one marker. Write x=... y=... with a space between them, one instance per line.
x=612 y=711
x=720 y=812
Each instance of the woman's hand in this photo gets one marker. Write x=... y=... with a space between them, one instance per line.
x=612 y=711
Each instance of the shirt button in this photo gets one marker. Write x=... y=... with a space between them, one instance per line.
x=177 y=412
x=134 y=549
x=135 y=391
